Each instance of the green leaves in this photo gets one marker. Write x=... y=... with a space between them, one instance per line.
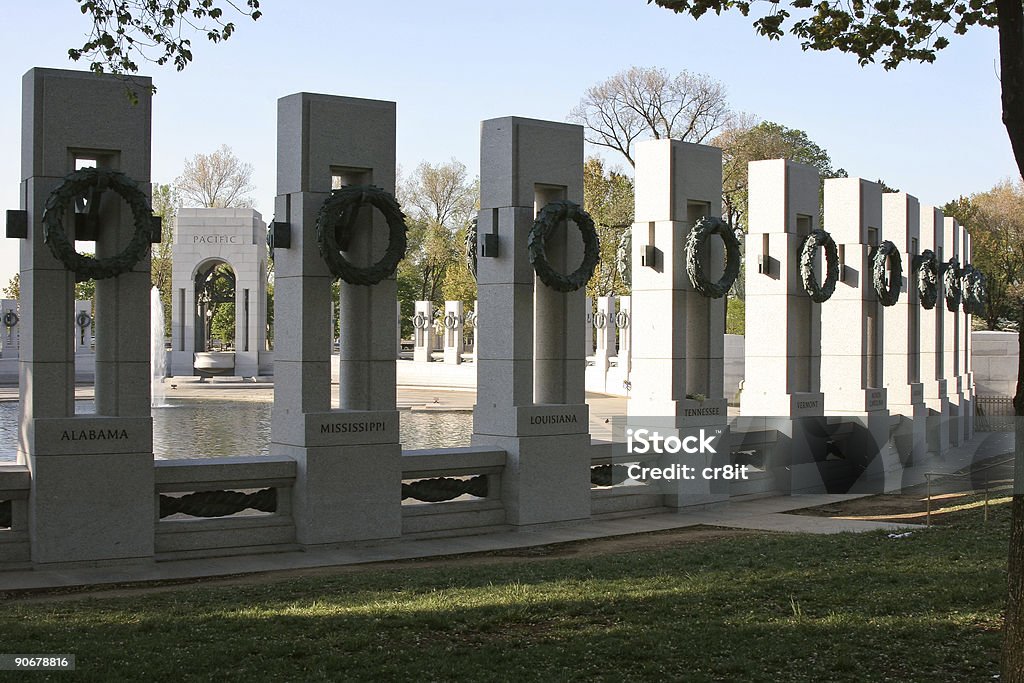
x=889 y=31
x=156 y=31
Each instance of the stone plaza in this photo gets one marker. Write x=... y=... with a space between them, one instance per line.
x=857 y=370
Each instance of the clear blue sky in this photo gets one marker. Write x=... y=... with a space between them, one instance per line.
x=931 y=130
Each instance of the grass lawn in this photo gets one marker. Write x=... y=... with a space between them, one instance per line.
x=756 y=608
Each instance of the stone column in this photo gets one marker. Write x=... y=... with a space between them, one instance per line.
x=83 y=332
x=453 y=343
x=783 y=350
x=530 y=386
x=423 y=331
x=967 y=377
x=348 y=485
x=852 y=327
x=604 y=323
x=92 y=495
x=588 y=329
x=953 y=341
x=398 y=330
x=933 y=327
x=623 y=323
x=678 y=340
x=10 y=334
x=901 y=224
x=781 y=384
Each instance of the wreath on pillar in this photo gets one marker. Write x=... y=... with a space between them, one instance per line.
x=547 y=219
x=951 y=283
x=816 y=239
x=973 y=288
x=83 y=319
x=705 y=228
x=96 y=180
x=888 y=291
x=419 y=321
x=927 y=278
x=334 y=226
x=10 y=319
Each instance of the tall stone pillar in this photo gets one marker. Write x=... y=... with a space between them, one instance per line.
x=967 y=376
x=423 y=331
x=83 y=327
x=852 y=327
x=453 y=342
x=783 y=349
x=348 y=484
x=92 y=495
x=933 y=328
x=604 y=324
x=953 y=341
x=623 y=323
x=10 y=333
x=901 y=225
x=678 y=344
x=530 y=382
x=588 y=330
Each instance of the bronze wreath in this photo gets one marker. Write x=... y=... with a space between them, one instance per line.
x=10 y=319
x=972 y=286
x=621 y=320
x=61 y=199
x=927 y=278
x=888 y=293
x=83 y=319
x=819 y=293
x=419 y=321
x=451 y=321
x=951 y=283
x=704 y=228
x=550 y=216
x=334 y=226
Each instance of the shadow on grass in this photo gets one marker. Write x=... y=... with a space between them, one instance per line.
x=771 y=608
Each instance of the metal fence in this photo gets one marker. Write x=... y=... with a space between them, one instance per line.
x=993 y=413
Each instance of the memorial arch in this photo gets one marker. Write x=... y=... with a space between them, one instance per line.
x=220 y=261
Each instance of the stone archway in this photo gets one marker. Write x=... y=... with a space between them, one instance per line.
x=220 y=262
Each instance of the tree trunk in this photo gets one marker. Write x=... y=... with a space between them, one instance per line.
x=1010 y=20
x=1013 y=646
x=1013 y=638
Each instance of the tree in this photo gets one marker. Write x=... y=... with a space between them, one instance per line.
x=647 y=102
x=12 y=290
x=996 y=220
x=217 y=180
x=765 y=140
x=439 y=202
x=608 y=198
x=915 y=30
x=165 y=200
x=156 y=31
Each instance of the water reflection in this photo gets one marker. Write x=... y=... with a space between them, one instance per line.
x=198 y=428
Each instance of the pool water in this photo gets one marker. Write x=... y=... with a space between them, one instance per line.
x=206 y=428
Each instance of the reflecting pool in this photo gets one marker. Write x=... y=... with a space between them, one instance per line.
x=203 y=428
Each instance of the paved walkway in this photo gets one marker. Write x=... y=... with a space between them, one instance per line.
x=762 y=514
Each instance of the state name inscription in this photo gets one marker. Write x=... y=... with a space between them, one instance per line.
x=691 y=412
x=94 y=434
x=352 y=427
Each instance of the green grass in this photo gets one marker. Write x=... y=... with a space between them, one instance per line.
x=758 y=608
